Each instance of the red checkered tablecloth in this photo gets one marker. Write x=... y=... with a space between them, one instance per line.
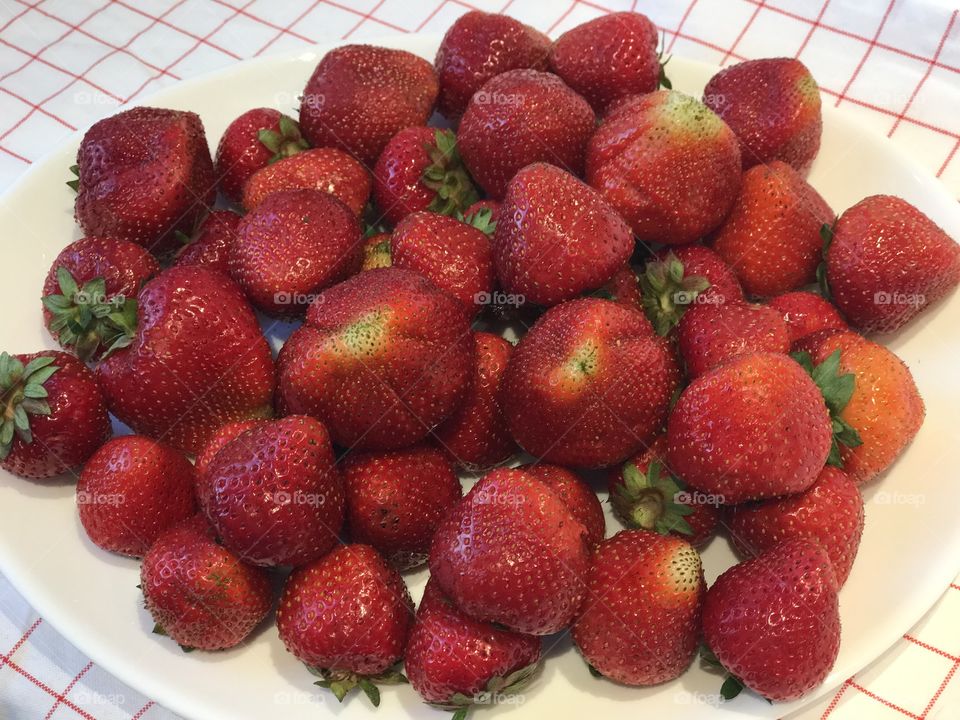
x=65 y=63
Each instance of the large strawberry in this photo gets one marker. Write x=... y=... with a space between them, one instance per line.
x=360 y=96
x=576 y=494
x=806 y=313
x=211 y=246
x=588 y=385
x=197 y=360
x=53 y=414
x=556 y=237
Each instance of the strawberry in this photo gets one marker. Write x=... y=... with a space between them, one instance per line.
x=755 y=427
x=640 y=621
x=475 y=436
x=376 y=252
x=527 y=557
x=773 y=105
x=293 y=245
x=199 y=593
x=273 y=493
x=252 y=141
x=381 y=359
x=326 y=169
x=223 y=435
x=830 y=512
x=211 y=246
x=806 y=313
x=556 y=237
x=886 y=261
x=142 y=175
x=771 y=238
x=131 y=490
x=479 y=46
x=773 y=622
x=588 y=385
x=196 y=337
x=623 y=288
x=608 y=58
x=522 y=117
x=360 y=96
x=89 y=294
x=346 y=616
x=53 y=414
x=395 y=499
x=576 y=494
x=473 y=215
x=643 y=156
x=420 y=169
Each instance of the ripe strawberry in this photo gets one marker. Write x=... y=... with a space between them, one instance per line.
x=576 y=494
x=640 y=621
x=522 y=117
x=475 y=436
x=755 y=427
x=346 y=616
x=472 y=213
x=420 y=169
x=381 y=359
x=588 y=385
x=144 y=174
x=360 y=96
x=771 y=238
x=199 y=593
x=223 y=435
x=830 y=513
x=806 y=313
x=252 y=141
x=643 y=156
x=273 y=493
x=53 y=414
x=773 y=622
x=131 y=490
x=293 y=245
x=196 y=337
x=326 y=169
x=608 y=58
x=886 y=261
x=773 y=105
x=90 y=291
x=395 y=499
x=211 y=246
x=527 y=558
x=623 y=288
x=556 y=237
x=479 y=46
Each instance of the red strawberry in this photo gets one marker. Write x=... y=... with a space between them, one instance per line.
x=199 y=593
x=254 y=140
x=273 y=493
x=420 y=169
x=830 y=513
x=327 y=169
x=475 y=435
x=360 y=96
x=54 y=415
x=640 y=621
x=755 y=427
x=771 y=238
x=623 y=288
x=293 y=245
x=576 y=494
x=376 y=252
x=90 y=292
x=806 y=313
x=522 y=117
x=886 y=261
x=131 y=490
x=527 y=557
x=396 y=498
x=479 y=46
x=773 y=622
x=211 y=247
x=642 y=159
x=773 y=105
x=144 y=174
x=223 y=435
x=478 y=207
x=588 y=385
x=556 y=237
x=196 y=337
x=381 y=359
x=346 y=616
x=608 y=58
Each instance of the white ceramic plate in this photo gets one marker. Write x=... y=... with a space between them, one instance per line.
x=908 y=556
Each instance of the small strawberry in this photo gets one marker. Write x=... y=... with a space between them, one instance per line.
x=223 y=435
x=211 y=246
x=376 y=252
x=806 y=313
x=623 y=288
x=576 y=494
x=483 y=215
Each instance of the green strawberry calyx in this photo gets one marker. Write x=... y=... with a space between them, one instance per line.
x=495 y=689
x=482 y=220
x=285 y=143
x=826 y=235
x=22 y=394
x=341 y=682
x=668 y=292
x=75 y=183
x=447 y=176
x=650 y=501
x=732 y=685
x=86 y=320
x=663 y=81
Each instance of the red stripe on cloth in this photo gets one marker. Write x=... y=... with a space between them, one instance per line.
x=953 y=151
x=28 y=7
x=142 y=711
x=743 y=31
x=884 y=701
x=362 y=20
x=4 y=659
x=242 y=10
x=39 y=109
x=683 y=21
x=563 y=17
x=43 y=686
x=377 y=20
x=11 y=153
x=286 y=29
x=182 y=31
x=931 y=648
x=813 y=26
x=836 y=699
x=872 y=44
x=939 y=692
x=66 y=691
x=65 y=71
x=955 y=586
x=891 y=113
x=437 y=9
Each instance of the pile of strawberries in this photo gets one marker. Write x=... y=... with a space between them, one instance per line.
x=658 y=257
